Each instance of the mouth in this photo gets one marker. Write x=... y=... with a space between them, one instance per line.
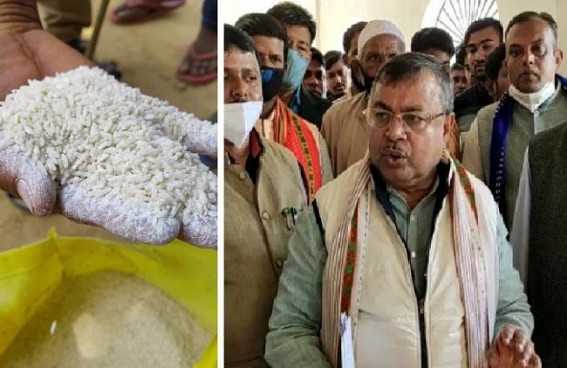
x=480 y=67
x=394 y=158
x=529 y=75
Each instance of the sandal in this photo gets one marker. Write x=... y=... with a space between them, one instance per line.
x=198 y=68
x=139 y=11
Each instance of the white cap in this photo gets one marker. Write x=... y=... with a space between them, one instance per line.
x=375 y=28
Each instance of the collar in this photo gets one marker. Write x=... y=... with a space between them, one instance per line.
x=441 y=185
x=255 y=144
x=255 y=147
x=532 y=101
x=295 y=103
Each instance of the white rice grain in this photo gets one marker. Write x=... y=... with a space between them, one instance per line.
x=88 y=131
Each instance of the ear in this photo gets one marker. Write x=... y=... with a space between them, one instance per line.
x=558 y=58
x=344 y=59
x=449 y=124
x=355 y=63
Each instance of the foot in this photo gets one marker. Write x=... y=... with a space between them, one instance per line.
x=199 y=66
x=139 y=11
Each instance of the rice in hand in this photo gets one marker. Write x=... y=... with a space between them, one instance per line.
x=111 y=148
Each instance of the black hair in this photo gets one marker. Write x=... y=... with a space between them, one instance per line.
x=530 y=15
x=481 y=24
x=457 y=66
x=350 y=33
x=494 y=62
x=410 y=64
x=291 y=14
x=234 y=37
x=331 y=58
x=316 y=55
x=432 y=38
x=260 y=24
x=461 y=55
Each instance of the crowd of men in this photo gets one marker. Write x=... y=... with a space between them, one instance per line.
x=353 y=232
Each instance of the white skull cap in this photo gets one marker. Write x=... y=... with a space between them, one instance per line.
x=375 y=28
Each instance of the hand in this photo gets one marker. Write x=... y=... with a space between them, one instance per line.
x=28 y=52
x=512 y=349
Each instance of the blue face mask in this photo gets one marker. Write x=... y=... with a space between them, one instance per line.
x=296 y=67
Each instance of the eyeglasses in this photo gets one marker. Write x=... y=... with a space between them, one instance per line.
x=381 y=119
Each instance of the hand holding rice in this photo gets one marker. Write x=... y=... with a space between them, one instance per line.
x=109 y=156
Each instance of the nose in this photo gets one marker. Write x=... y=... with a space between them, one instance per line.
x=529 y=58
x=239 y=90
x=396 y=130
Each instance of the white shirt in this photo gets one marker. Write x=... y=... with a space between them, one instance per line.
x=520 y=233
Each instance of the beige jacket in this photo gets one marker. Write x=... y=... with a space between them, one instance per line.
x=346 y=132
x=256 y=236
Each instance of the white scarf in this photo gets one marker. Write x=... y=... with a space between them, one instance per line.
x=532 y=101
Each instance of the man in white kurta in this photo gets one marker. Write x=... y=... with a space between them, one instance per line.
x=407 y=246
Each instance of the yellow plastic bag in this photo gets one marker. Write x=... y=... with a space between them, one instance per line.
x=29 y=275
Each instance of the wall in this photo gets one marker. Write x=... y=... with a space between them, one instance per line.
x=335 y=16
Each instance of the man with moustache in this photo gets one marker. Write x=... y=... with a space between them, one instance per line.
x=535 y=101
x=335 y=75
x=459 y=78
x=344 y=125
x=263 y=192
x=277 y=121
x=350 y=46
x=313 y=78
x=497 y=73
x=481 y=38
x=403 y=257
x=301 y=30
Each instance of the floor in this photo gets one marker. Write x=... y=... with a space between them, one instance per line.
x=148 y=55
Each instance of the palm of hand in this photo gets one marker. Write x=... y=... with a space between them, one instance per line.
x=35 y=54
x=24 y=55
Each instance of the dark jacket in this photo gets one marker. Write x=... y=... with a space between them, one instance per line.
x=312 y=107
x=468 y=103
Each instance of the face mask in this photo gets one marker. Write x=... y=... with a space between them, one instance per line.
x=296 y=67
x=272 y=80
x=239 y=119
x=532 y=101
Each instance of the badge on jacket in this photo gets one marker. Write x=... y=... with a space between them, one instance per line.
x=290 y=214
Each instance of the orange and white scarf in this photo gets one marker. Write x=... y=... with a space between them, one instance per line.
x=476 y=253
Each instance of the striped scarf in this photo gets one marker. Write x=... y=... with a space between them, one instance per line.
x=478 y=273
x=292 y=132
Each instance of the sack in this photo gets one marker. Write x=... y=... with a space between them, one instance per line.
x=28 y=276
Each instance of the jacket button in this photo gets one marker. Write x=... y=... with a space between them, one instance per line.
x=265 y=215
x=242 y=175
x=279 y=263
